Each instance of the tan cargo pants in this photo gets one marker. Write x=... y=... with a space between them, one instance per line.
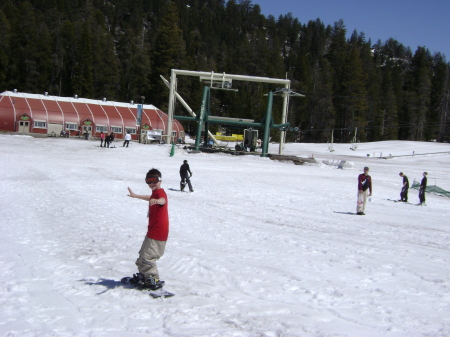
x=151 y=250
x=362 y=201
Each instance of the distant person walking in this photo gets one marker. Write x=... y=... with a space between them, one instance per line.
x=185 y=174
x=107 y=140
x=127 y=139
x=102 y=139
x=364 y=191
x=422 y=188
x=405 y=187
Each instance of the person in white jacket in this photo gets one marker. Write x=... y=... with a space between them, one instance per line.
x=127 y=139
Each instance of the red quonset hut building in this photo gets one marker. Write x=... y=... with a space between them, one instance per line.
x=44 y=114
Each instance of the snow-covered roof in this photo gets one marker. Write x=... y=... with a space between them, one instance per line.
x=74 y=100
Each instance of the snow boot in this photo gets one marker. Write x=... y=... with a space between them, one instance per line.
x=153 y=283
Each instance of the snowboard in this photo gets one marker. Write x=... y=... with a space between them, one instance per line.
x=399 y=201
x=159 y=293
x=175 y=190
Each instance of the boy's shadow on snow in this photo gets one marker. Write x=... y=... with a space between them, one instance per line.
x=108 y=284
x=174 y=189
x=351 y=213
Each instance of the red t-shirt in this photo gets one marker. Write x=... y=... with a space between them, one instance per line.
x=158 y=218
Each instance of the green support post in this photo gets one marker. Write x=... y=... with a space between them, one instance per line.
x=203 y=110
x=205 y=140
x=268 y=119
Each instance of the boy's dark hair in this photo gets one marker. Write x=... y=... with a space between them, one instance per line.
x=153 y=173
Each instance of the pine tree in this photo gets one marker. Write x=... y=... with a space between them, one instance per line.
x=65 y=60
x=134 y=55
x=105 y=64
x=169 y=53
x=440 y=100
x=354 y=104
x=420 y=91
x=4 y=48
x=388 y=120
x=83 y=71
x=30 y=53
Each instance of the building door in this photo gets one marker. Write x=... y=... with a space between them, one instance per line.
x=24 y=126
x=88 y=129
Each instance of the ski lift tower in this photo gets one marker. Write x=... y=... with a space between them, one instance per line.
x=222 y=81
x=286 y=93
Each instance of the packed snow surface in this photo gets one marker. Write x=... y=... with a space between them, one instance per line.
x=261 y=248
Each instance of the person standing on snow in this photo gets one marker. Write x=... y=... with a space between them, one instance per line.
x=422 y=188
x=102 y=139
x=107 y=140
x=364 y=191
x=185 y=174
x=127 y=139
x=154 y=243
x=405 y=187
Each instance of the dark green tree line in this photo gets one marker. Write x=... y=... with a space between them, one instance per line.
x=119 y=48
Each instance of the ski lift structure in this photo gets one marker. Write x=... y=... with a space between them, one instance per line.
x=330 y=144
x=286 y=93
x=223 y=81
x=354 y=143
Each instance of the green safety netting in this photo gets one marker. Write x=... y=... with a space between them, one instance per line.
x=432 y=189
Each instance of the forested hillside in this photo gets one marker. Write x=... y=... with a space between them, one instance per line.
x=119 y=48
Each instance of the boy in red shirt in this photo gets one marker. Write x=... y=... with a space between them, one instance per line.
x=158 y=231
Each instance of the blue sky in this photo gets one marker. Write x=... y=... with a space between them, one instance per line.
x=413 y=23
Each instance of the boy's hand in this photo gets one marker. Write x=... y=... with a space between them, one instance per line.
x=131 y=193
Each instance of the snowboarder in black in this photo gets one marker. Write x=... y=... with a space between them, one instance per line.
x=107 y=140
x=185 y=174
x=422 y=188
x=405 y=187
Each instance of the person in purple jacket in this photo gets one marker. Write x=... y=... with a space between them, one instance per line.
x=364 y=190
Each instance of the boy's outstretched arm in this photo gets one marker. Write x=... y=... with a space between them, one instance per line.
x=134 y=195
x=160 y=201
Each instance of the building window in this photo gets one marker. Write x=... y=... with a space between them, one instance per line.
x=131 y=131
x=174 y=133
x=101 y=128
x=71 y=126
x=40 y=124
x=116 y=129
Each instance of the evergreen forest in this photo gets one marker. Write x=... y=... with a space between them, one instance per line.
x=118 y=49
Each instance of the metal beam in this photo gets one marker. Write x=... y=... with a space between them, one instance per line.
x=188 y=108
x=218 y=77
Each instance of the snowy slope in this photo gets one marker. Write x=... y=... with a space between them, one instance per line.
x=261 y=248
